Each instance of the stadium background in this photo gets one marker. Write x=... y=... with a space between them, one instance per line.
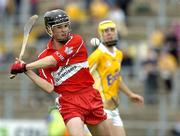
x=149 y=38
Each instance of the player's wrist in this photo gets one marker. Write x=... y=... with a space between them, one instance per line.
x=24 y=67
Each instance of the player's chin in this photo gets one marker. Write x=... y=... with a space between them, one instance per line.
x=61 y=39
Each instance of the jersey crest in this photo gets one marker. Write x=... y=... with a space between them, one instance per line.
x=68 y=50
x=108 y=63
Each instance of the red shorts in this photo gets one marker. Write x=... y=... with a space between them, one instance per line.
x=86 y=104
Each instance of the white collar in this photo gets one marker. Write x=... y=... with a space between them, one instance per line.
x=105 y=49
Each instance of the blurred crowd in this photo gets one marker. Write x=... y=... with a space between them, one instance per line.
x=159 y=59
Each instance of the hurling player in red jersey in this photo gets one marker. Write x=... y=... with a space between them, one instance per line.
x=63 y=68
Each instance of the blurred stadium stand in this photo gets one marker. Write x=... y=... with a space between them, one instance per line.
x=21 y=99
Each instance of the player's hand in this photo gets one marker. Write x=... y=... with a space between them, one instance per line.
x=137 y=99
x=18 y=67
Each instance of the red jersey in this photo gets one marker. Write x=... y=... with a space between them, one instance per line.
x=72 y=71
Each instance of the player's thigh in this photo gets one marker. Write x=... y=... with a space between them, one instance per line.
x=101 y=129
x=117 y=131
x=75 y=126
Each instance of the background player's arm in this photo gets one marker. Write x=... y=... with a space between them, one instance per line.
x=131 y=95
x=42 y=83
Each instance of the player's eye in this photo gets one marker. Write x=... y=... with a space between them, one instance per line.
x=66 y=25
x=58 y=26
x=109 y=30
x=112 y=29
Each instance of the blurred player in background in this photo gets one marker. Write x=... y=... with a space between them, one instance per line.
x=56 y=126
x=105 y=65
x=63 y=68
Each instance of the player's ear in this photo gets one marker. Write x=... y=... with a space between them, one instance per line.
x=49 y=30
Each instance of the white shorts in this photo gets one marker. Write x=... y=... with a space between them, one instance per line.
x=114 y=116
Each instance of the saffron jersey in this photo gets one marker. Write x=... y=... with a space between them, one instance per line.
x=72 y=71
x=105 y=68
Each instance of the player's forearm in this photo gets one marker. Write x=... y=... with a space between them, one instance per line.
x=43 y=84
x=42 y=63
x=93 y=67
x=125 y=89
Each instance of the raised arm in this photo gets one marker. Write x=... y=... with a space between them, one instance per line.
x=61 y=56
x=48 y=61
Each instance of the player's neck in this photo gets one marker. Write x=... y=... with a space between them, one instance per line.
x=110 y=49
x=57 y=45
